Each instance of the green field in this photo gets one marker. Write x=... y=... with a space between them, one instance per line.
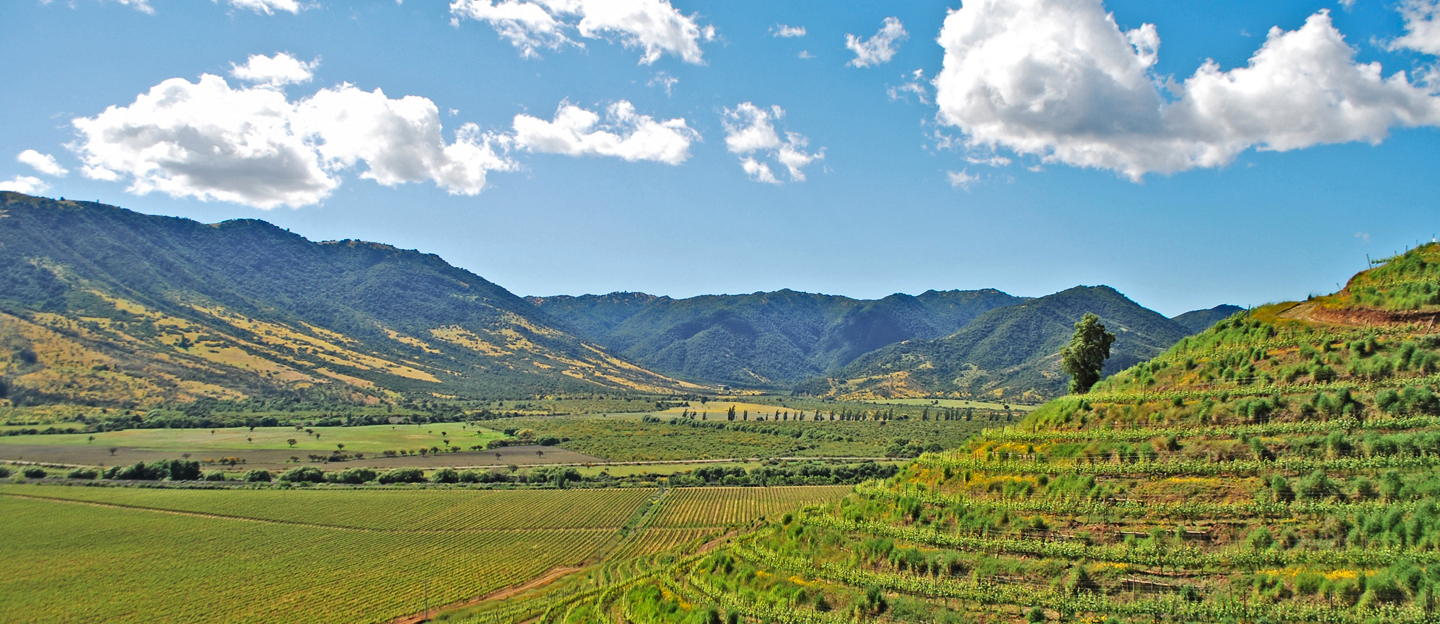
x=367 y=439
x=960 y=403
x=117 y=554
x=630 y=438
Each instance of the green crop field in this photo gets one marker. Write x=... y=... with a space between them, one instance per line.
x=124 y=554
x=959 y=403
x=720 y=506
x=366 y=439
x=635 y=438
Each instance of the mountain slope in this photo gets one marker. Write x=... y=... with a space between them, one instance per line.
x=763 y=339
x=1196 y=321
x=109 y=306
x=1278 y=467
x=1008 y=353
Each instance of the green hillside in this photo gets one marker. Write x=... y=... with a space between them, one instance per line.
x=763 y=339
x=1007 y=353
x=1280 y=466
x=105 y=306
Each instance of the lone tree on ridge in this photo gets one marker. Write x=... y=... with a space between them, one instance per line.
x=1086 y=355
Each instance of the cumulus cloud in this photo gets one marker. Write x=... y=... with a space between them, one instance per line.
x=254 y=146
x=750 y=133
x=275 y=71
x=654 y=26
x=781 y=30
x=29 y=185
x=880 y=48
x=1422 y=28
x=1059 y=80
x=44 y=163
x=268 y=7
x=625 y=134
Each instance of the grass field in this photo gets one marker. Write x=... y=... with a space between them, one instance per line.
x=960 y=403
x=629 y=438
x=116 y=554
x=368 y=439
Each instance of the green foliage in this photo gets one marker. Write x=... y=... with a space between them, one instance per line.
x=1084 y=358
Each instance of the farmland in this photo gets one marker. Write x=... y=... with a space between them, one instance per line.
x=1277 y=467
x=322 y=555
x=653 y=436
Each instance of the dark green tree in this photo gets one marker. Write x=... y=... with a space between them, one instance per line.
x=1084 y=358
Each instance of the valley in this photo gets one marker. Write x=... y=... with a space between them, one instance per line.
x=780 y=457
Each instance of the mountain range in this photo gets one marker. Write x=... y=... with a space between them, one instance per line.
x=105 y=306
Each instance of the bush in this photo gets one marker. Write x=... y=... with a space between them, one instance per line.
x=214 y=475
x=445 y=475
x=33 y=472
x=1260 y=539
x=352 y=476
x=172 y=469
x=4 y=472
x=256 y=476
x=403 y=475
x=303 y=474
x=83 y=473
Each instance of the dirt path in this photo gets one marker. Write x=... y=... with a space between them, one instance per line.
x=500 y=594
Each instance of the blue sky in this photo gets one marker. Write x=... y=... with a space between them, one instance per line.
x=582 y=149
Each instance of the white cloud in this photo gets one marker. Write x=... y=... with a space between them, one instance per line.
x=28 y=185
x=44 y=163
x=253 y=146
x=805 y=54
x=663 y=79
x=880 y=48
x=626 y=134
x=652 y=25
x=750 y=131
x=278 y=70
x=781 y=30
x=758 y=171
x=1422 y=28
x=1059 y=80
x=1346 y=4
x=1363 y=236
x=962 y=179
x=140 y=5
x=915 y=86
x=267 y=7
x=993 y=160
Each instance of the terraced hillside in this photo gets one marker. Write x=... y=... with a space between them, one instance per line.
x=1279 y=467
x=104 y=306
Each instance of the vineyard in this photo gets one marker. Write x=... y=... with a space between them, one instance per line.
x=126 y=554
x=1278 y=467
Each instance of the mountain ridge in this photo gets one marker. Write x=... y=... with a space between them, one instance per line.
x=277 y=315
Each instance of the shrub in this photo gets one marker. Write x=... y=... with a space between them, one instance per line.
x=403 y=475
x=33 y=472
x=256 y=476
x=83 y=473
x=445 y=475
x=353 y=476
x=214 y=475
x=1260 y=539
x=4 y=472
x=303 y=474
